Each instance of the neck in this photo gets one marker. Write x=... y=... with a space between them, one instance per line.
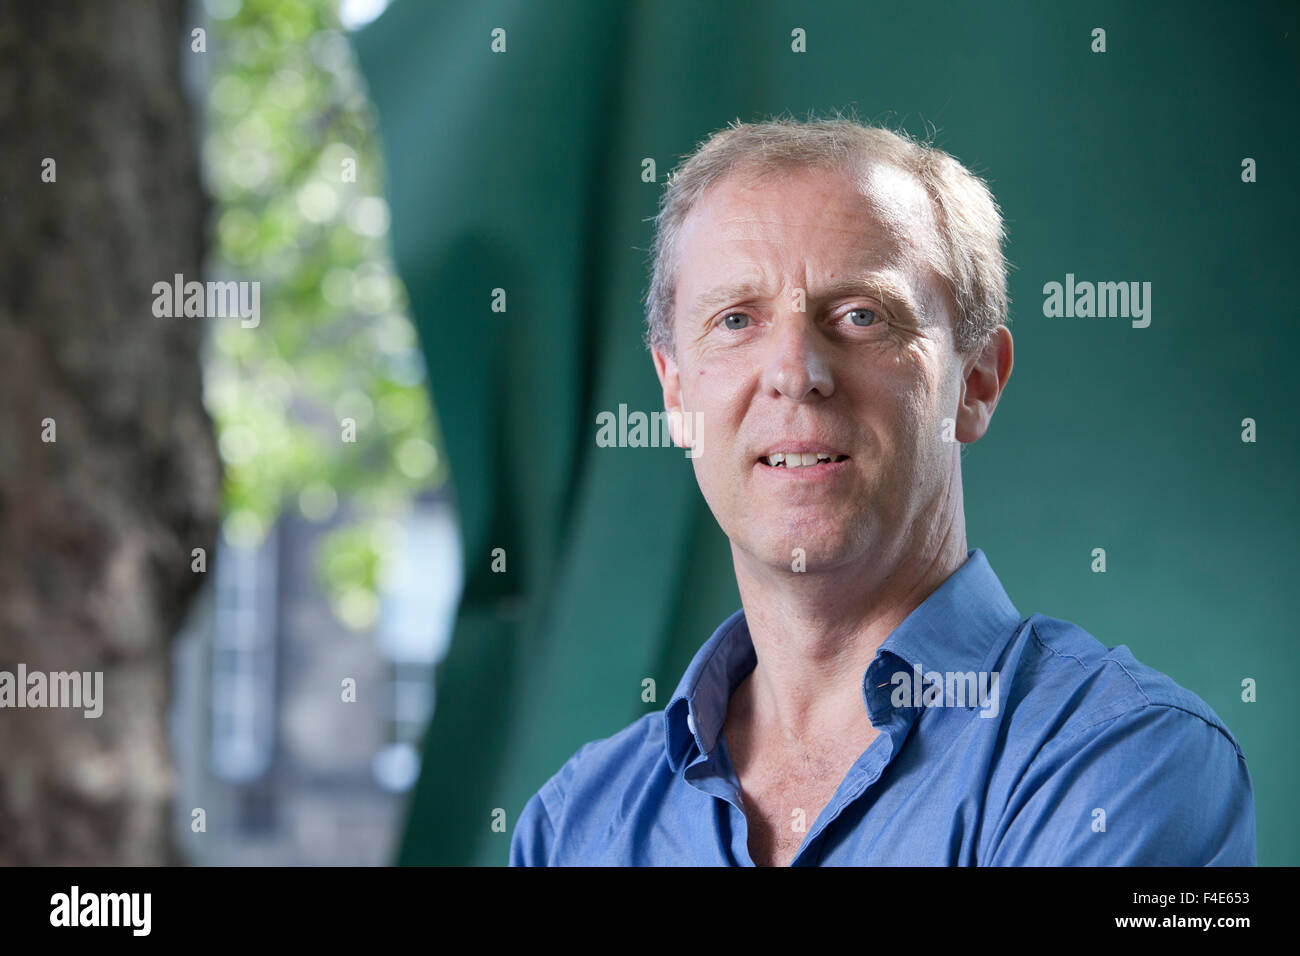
x=816 y=632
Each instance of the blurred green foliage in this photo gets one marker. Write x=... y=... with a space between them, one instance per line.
x=291 y=160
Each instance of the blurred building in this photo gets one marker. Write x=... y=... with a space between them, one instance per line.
x=286 y=771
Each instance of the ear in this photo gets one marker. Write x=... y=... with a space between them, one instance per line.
x=666 y=369
x=984 y=376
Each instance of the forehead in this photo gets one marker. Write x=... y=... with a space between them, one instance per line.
x=879 y=216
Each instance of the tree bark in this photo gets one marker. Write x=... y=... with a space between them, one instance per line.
x=97 y=526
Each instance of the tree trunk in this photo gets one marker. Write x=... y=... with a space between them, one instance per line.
x=98 y=525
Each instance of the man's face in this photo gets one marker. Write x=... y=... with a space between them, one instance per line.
x=866 y=371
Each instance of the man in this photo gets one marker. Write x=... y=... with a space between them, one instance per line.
x=829 y=303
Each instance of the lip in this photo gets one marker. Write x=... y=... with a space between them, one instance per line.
x=803 y=447
x=826 y=471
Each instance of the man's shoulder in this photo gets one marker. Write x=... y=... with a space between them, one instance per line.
x=609 y=762
x=1069 y=678
x=1092 y=741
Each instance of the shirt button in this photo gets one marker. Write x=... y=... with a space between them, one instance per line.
x=690 y=723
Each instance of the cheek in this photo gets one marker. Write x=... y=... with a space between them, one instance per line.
x=924 y=389
x=908 y=412
x=927 y=411
x=716 y=392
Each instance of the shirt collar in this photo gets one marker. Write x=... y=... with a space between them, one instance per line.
x=960 y=627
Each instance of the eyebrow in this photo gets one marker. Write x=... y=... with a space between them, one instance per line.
x=883 y=285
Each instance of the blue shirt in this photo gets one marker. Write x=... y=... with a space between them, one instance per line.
x=1075 y=755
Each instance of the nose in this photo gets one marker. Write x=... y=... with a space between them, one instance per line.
x=796 y=363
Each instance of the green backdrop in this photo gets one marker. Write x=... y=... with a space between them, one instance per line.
x=521 y=171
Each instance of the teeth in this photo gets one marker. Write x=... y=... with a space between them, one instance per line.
x=799 y=460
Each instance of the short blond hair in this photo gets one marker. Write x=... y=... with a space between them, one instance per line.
x=970 y=260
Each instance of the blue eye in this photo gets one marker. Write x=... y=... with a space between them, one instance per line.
x=726 y=320
x=871 y=312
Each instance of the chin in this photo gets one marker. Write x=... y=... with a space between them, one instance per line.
x=779 y=553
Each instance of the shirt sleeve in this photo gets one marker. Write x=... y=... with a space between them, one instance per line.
x=530 y=844
x=533 y=841
x=1158 y=786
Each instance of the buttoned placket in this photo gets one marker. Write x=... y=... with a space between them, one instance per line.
x=894 y=724
x=711 y=774
x=714 y=774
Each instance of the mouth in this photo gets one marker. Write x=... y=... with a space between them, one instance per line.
x=799 y=460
